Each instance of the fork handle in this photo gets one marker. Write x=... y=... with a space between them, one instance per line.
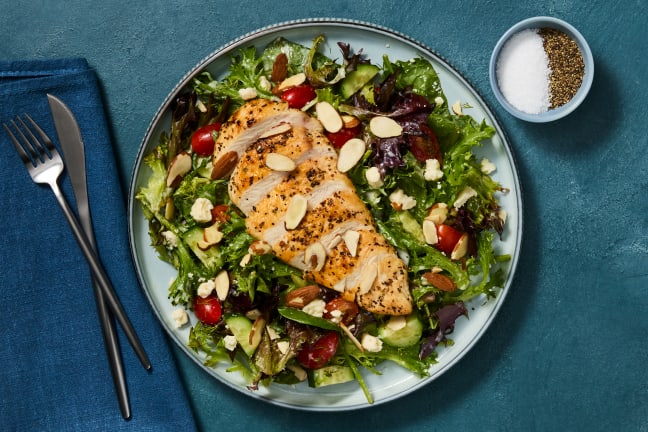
x=101 y=278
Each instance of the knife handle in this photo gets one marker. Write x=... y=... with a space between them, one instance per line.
x=102 y=279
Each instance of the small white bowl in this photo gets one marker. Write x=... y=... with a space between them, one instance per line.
x=569 y=30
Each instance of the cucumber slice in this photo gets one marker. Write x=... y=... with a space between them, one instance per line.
x=210 y=257
x=329 y=375
x=401 y=334
x=356 y=79
x=241 y=328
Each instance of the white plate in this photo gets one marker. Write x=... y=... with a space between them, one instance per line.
x=374 y=41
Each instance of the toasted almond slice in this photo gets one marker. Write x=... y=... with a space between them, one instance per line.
x=351 y=239
x=385 y=127
x=315 y=256
x=296 y=211
x=279 y=162
x=456 y=108
x=276 y=130
x=328 y=116
x=349 y=121
x=222 y=285
x=430 y=232
x=461 y=248
x=179 y=166
x=300 y=297
x=292 y=81
x=350 y=154
x=438 y=213
x=396 y=323
x=260 y=247
x=245 y=260
x=440 y=281
x=367 y=277
x=224 y=165
x=211 y=235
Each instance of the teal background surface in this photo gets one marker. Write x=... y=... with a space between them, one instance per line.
x=569 y=348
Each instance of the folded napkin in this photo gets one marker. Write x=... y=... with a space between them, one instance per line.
x=54 y=373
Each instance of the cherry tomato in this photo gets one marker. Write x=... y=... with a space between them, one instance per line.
x=338 y=139
x=425 y=146
x=208 y=310
x=298 y=96
x=320 y=352
x=202 y=140
x=219 y=213
x=448 y=238
x=341 y=310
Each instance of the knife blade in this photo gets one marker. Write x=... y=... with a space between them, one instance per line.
x=73 y=150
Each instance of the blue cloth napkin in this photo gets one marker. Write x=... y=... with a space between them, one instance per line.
x=54 y=373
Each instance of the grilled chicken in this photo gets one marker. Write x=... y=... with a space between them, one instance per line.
x=367 y=270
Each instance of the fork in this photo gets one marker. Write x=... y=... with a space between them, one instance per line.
x=45 y=166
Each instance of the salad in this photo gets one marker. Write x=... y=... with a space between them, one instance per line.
x=428 y=194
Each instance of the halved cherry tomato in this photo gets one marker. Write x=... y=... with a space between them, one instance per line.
x=338 y=139
x=425 y=146
x=320 y=352
x=202 y=140
x=448 y=238
x=219 y=213
x=341 y=310
x=208 y=310
x=298 y=96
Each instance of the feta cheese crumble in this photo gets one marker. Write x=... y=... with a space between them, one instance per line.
x=201 y=210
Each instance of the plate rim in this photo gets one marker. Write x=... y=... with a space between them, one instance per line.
x=331 y=22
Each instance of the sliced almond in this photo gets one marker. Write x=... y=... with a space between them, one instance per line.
x=260 y=247
x=300 y=297
x=245 y=260
x=456 y=108
x=212 y=235
x=300 y=373
x=179 y=166
x=276 y=130
x=396 y=323
x=461 y=248
x=329 y=117
x=351 y=240
x=430 y=232
x=296 y=211
x=336 y=240
x=315 y=256
x=385 y=127
x=224 y=165
x=279 y=162
x=292 y=81
x=440 y=281
x=222 y=285
x=349 y=121
x=438 y=213
x=367 y=278
x=350 y=154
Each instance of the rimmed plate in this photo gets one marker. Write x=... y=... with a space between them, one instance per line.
x=375 y=41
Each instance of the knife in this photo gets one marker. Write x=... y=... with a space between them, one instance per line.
x=73 y=149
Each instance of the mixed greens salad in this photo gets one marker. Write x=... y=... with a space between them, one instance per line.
x=431 y=198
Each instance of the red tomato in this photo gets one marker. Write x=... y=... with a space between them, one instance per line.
x=426 y=146
x=448 y=238
x=338 y=139
x=320 y=352
x=298 y=96
x=202 y=140
x=208 y=310
x=341 y=309
x=219 y=213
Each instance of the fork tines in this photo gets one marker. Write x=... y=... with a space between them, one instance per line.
x=31 y=150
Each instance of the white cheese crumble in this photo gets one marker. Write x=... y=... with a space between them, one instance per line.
x=487 y=166
x=283 y=346
x=402 y=201
x=371 y=343
x=432 y=170
x=206 y=288
x=230 y=342
x=201 y=210
x=247 y=93
x=180 y=317
x=170 y=239
x=265 y=83
x=373 y=178
x=315 y=308
x=464 y=196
